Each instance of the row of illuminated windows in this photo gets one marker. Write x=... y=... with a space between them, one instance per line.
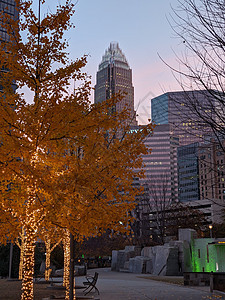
x=155 y=163
x=157 y=169
x=188 y=178
x=157 y=157
x=149 y=159
x=162 y=157
x=155 y=144
x=154 y=153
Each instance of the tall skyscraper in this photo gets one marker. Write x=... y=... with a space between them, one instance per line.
x=114 y=75
x=161 y=182
x=160 y=165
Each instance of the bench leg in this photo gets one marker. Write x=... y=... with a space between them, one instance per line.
x=90 y=287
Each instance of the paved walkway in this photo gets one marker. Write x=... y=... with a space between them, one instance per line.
x=127 y=286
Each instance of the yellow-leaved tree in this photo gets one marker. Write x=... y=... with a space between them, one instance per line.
x=63 y=161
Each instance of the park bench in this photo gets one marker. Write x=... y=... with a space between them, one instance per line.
x=90 y=284
x=87 y=286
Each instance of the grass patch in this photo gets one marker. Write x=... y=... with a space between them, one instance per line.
x=173 y=280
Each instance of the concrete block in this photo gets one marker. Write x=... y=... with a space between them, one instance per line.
x=131 y=265
x=178 y=244
x=166 y=261
x=129 y=255
x=187 y=257
x=172 y=266
x=147 y=252
x=149 y=266
x=129 y=248
x=120 y=260
x=114 y=260
x=187 y=234
x=137 y=250
x=138 y=264
x=126 y=265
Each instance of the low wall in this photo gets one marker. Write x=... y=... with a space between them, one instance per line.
x=203 y=279
x=219 y=281
x=197 y=278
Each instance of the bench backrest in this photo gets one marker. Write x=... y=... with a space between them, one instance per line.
x=95 y=278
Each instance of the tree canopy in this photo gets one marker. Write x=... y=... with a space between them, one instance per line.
x=63 y=161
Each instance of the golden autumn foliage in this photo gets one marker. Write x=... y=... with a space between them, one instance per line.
x=63 y=161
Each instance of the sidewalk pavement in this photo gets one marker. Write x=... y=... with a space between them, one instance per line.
x=129 y=286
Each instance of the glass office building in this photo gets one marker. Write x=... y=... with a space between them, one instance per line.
x=188 y=172
x=180 y=110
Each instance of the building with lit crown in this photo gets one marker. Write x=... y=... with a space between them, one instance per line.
x=115 y=75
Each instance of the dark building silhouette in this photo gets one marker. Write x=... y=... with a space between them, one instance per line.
x=8 y=6
x=188 y=172
x=114 y=75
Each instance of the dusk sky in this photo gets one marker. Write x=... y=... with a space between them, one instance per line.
x=142 y=30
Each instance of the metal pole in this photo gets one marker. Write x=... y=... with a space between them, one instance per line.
x=71 y=289
x=211 y=282
x=10 y=260
x=210 y=230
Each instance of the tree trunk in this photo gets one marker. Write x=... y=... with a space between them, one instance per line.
x=10 y=260
x=66 y=246
x=47 y=260
x=71 y=285
x=21 y=263
x=28 y=266
x=21 y=246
